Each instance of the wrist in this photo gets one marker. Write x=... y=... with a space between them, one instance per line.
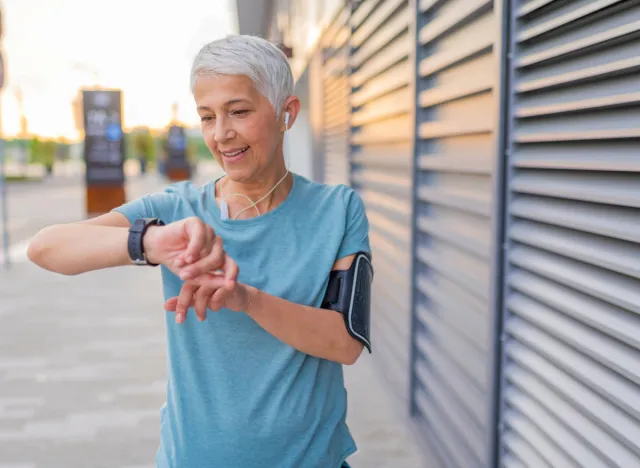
x=149 y=244
x=252 y=300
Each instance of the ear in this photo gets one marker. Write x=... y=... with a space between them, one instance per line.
x=291 y=109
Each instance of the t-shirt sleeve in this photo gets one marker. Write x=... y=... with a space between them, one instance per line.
x=356 y=236
x=155 y=205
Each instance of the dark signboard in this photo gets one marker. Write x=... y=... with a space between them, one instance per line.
x=103 y=141
x=177 y=148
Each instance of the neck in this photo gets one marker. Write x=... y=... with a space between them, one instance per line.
x=258 y=190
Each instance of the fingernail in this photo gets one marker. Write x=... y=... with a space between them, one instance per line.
x=185 y=275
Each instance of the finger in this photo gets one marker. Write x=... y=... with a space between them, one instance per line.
x=231 y=269
x=208 y=264
x=184 y=301
x=202 y=297
x=196 y=232
x=171 y=304
x=218 y=299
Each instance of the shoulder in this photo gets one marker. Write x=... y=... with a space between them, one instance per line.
x=341 y=198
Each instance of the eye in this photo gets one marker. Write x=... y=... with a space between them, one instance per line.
x=206 y=118
x=240 y=112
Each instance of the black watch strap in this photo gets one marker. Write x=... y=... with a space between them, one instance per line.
x=136 y=234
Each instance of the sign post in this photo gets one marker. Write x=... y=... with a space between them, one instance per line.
x=104 y=150
x=178 y=165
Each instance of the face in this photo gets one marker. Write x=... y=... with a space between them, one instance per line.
x=239 y=125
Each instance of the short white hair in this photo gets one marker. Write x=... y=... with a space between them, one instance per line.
x=260 y=60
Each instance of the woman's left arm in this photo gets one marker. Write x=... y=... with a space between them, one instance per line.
x=318 y=332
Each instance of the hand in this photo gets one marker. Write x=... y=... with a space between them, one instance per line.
x=189 y=247
x=210 y=291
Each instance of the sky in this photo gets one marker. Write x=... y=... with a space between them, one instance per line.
x=144 y=47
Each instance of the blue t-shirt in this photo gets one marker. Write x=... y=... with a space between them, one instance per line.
x=237 y=397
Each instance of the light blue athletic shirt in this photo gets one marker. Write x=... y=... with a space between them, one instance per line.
x=237 y=397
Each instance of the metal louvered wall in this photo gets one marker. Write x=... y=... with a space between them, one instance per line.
x=571 y=376
x=382 y=122
x=335 y=46
x=457 y=117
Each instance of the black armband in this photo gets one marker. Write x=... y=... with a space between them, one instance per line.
x=349 y=292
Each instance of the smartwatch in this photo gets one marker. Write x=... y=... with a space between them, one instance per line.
x=136 y=234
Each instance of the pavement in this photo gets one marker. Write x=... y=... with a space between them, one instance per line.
x=82 y=370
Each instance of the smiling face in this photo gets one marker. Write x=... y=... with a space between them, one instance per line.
x=239 y=125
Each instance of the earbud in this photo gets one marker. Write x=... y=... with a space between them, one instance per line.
x=286 y=121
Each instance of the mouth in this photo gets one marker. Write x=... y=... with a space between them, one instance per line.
x=234 y=155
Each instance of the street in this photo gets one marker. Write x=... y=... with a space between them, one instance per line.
x=82 y=359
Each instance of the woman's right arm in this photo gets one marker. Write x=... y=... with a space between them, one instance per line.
x=101 y=242
x=75 y=248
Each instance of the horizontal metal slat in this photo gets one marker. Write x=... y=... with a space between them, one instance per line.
x=455 y=235
x=447 y=437
x=391 y=30
x=399 y=233
x=614 y=255
x=472 y=202
x=470 y=436
x=448 y=58
x=580 y=452
x=467 y=322
x=607 y=286
x=397 y=129
x=616 y=389
x=595 y=437
x=608 y=102
x=582 y=45
x=542 y=452
x=394 y=104
x=472 y=399
x=363 y=8
x=389 y=81
x=397 y=258
x=447 y=292
x=386 y=58
x=379 y=17
x=463 y=163
x=579 y=156
x=612 y=221
x=447 y=267
x=452 y=15
x=557 y=22
x=508 y=461
x=612 y=321
x=455 y=91
x=584 y=135
x=599 y=347
x=613 y=421
x=454 y=345
x=385 y=158
x=429 y=130
x=532 y=6
x=606 y=188
x=607 y=70
x=339 y=21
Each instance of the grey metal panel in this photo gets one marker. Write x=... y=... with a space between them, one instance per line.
x=382 y=104
x=454 y=206
x=571 y=381
x=337 y=112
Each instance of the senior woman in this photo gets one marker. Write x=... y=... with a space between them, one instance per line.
x=266 y=277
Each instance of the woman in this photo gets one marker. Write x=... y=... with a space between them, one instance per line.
x=255 y=364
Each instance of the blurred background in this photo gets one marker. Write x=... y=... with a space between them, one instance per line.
x=496 y=145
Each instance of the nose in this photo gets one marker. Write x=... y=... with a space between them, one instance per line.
x=222 y=131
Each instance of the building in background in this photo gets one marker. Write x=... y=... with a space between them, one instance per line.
x=496 y=145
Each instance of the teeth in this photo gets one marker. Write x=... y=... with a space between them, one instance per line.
x=235 y=153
